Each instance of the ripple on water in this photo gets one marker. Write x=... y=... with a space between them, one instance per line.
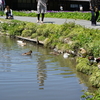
x=38 y=77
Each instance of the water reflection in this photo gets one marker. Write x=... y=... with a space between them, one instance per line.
x=24 y=76
x=4 y=54
x=41 y=70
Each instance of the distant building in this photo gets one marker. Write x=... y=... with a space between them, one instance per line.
x=68 y=5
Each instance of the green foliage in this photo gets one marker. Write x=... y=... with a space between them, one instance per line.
x=13 y=27
x=64 y=47
x=41 y=38
x=83 y=65
x=40 y=29
x=26 y=33
x=16 y=30
x=72 y=15
x=31 y=26
x=47 y=42
x=34 y=35
x=58 y=46
x=4 y=26
x=79 y=36
x=24 y=13
x=95 y=79
x=92 y=96
x=1 y=12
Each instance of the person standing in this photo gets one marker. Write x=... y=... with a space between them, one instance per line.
x=41 y=9
x=2 y=5
x=94 y=12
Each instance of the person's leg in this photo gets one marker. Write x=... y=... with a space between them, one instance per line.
x=42 y=17
x=38 y=17
x=93 y=21
x=38 y=13
x=7 y=15
x=97 y=15
x=43 y=11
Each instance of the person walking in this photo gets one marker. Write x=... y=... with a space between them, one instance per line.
x=41 y=9
x=2 y=5
x=94 y=12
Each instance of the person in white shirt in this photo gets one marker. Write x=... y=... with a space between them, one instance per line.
x=8 y=13
x=2 y=5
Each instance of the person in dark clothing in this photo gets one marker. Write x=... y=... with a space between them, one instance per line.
x=94 y=13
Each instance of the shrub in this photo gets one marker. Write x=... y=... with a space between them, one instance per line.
x=83 y=65
x=34 y=35
x=31 y=26
x=95 y=79
x=26 y=33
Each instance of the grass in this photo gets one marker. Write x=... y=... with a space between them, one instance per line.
x=58 y=14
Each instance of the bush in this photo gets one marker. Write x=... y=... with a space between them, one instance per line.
x=31 y=26
x=26 y=33
x=83 y=65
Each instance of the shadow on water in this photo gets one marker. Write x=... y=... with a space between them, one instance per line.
x=22 y=77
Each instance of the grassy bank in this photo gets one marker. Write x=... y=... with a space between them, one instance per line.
x=65 y=37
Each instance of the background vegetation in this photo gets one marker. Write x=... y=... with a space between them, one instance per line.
x=58 y=14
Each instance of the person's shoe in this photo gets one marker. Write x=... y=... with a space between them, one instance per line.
x=93 y=24
x=38 y=21
x=41 y=22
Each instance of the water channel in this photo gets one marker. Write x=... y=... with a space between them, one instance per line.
x=41 y=76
